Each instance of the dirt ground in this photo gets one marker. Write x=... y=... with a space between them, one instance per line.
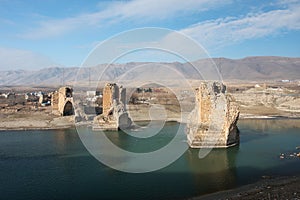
x=41 y=118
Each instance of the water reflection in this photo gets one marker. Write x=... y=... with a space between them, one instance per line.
x=125 y=152
x=218 y=169
x=60 y=140
x=131 y=140
x=268 y=125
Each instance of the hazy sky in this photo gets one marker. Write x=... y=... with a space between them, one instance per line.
x=36 y=34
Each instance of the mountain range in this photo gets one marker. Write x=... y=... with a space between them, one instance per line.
x=260 y=68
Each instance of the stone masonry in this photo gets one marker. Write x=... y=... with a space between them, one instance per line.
x=212 y=124
x=114 y=114
x=62 y=101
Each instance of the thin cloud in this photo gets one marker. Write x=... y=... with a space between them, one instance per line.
x=287 y=3
x=6 y=22
x=11 y=59
x=136 y=10
x=225 y=31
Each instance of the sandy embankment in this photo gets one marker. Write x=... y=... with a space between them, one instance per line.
x=46 y=120
x=268 y=103
x=34 y=120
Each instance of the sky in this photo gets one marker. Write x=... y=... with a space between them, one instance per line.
x=37 y=34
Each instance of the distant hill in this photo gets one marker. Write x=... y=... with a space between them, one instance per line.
x=249 y=68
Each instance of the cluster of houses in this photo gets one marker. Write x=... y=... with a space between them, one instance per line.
x=61 y=100
x=44 y=99
x=12 y=98
x=93 y=96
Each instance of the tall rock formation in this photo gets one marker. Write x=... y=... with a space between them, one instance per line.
x=212 y=124
x=114 y=114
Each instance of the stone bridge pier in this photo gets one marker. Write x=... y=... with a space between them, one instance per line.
x=114 y=115
x=62 y=102
x=212 y=124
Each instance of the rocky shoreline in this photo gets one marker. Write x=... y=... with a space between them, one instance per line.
x=250 y=116
x=267 y=188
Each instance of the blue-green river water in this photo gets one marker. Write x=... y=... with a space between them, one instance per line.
x=54 y=164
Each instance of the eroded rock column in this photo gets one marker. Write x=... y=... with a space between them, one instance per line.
x=212 y=124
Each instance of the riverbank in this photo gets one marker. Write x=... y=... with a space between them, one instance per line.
x=44 y=120
x=268 y=188
x=34 y=120
x=280 y=102
x=41 y=118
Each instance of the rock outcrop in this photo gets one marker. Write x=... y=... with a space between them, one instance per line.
x=114 y=114
x=212 y=124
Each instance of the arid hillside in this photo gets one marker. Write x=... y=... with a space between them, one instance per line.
x=246 y=69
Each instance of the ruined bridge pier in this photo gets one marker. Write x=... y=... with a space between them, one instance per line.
x=114 y=115
x=211 y=124
x=62 y=102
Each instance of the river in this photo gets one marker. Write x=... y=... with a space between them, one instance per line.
x=54 y=164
